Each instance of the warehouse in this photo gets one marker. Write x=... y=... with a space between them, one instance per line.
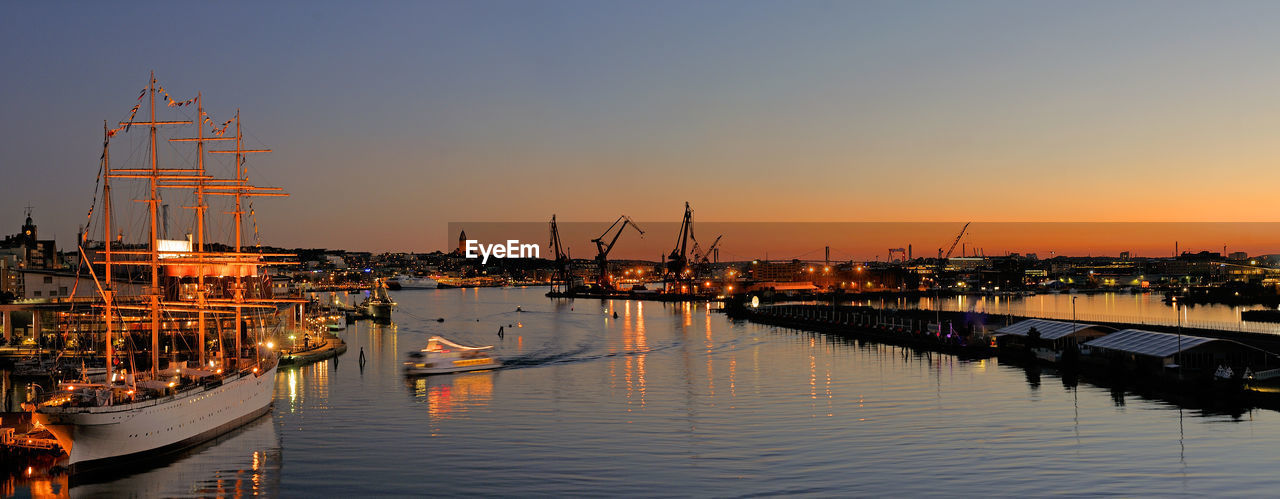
x=1055 y=337
x=1196 y=356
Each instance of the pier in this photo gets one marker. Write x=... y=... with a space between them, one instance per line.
x=873 y=321
x=327 y=346
x=952 y=334
x=1137 y=353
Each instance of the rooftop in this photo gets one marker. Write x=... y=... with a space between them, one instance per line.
x=1048 y=329
x=1137 y=341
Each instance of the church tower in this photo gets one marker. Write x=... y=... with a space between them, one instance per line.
x=29 y=231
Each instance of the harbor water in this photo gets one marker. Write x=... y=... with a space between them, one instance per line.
x=677 y=400
x=1122 y=307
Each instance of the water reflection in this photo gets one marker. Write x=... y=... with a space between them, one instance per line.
x=447 y=396
x=244 y=462
x=755 y=425
x=1135 y=308
x=635 y=347
x=301 y=383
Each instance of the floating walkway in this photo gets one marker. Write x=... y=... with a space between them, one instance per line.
x=948 y=335
x=328 y=346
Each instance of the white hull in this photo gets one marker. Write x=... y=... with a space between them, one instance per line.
x=412 y=369
x=416 y=282
x=96 y=434
x=442 y=356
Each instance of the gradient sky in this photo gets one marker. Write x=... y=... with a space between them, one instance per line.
x=391 y=119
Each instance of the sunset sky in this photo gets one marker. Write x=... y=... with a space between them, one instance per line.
x=391 y=119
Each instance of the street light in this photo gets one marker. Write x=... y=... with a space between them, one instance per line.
x=1177 y=309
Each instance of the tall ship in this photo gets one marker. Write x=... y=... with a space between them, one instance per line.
x=378 y=305
x=185 y=325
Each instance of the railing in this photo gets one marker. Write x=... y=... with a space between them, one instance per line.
x=1265 y=375
x=1146 y=320
x=1166 y=319
x=310 y=347
x=179 y=392
x=886 y=323
x=1136 y=320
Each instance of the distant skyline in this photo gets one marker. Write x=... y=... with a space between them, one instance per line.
x=871 y=241
x=391 y=119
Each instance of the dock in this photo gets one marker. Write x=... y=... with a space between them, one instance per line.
x=964 y=338
x=329 y=345
x=978 y=336
x=20 y=439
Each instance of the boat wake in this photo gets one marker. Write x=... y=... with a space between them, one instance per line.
x=583 y=353
x=578 y=355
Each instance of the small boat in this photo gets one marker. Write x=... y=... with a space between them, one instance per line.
x=1263 y=315
x=442 y=356
x=641 y=289
x=33 y=367
x=336 y=322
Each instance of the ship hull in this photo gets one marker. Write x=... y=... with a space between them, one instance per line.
x=413 y=370
x=402 y=282
x=427 y=284
x=101 y=436
x=380 y=313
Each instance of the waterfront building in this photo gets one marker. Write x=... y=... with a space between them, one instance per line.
x=1048 y=339
x=31 y=251
x=1196 y=356
x=777 y=271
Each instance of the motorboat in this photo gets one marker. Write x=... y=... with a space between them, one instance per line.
x=442 y=356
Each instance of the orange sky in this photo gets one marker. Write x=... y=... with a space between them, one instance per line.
x=387 y=124
x=871 y=240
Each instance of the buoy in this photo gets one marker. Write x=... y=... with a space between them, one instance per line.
x=615 y=314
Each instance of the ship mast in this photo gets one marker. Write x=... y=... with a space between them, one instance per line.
x=202 y=207
x=153 y=176
x=106 y=238
x=242 y=189
x=238 y=293
x=198 y=257
x=154 y=201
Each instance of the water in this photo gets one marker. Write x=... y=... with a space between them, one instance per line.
x=676 y=400
x=1133 y=308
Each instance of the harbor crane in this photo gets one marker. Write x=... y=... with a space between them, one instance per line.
x=602 y=250
x=942 y=259
x=561 y=259
x=957 y=241
x=901 y=252
x=704 y=257
x=678 y=261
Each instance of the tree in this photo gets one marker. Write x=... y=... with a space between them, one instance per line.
x=1033 y=338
